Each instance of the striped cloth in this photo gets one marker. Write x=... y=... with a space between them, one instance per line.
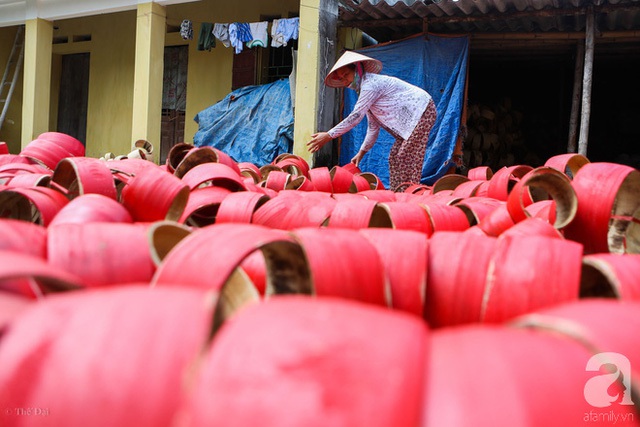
x=239 y=33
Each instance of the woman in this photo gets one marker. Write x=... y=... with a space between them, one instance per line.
x=406 y=111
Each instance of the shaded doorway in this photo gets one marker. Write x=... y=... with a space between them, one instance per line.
x=74 y=96
x=174 y=98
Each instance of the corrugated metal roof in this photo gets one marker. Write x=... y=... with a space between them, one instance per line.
x=386 y=20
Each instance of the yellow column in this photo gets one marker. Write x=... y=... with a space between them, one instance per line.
x=316 y=52
x=37 y=78
x=149 y=67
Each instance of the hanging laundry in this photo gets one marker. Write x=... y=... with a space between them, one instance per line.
x=206 y=40
x=293 y=25
x=186 y=30
x=283 y=30
x=259 y=34
x=276 y=40
x=239 y=33
x=221 y=31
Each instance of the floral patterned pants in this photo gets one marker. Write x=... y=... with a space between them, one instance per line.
x=407 y=156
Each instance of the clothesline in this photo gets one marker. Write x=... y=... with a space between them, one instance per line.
x=241 y=34
x=178 y=21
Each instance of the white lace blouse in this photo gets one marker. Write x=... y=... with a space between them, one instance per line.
x=387 y=101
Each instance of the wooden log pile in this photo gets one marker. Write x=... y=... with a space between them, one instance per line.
x=494 y=136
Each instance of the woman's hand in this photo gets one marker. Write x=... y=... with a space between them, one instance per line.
x=358 y=157
x=319 y=139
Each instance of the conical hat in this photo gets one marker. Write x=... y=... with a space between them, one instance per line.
x=349 y=57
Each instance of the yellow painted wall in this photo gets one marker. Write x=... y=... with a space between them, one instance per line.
x=112 y=60
x=11 y=130
x=349 y=38
x=112 y=57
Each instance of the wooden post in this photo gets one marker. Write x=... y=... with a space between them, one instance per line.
x=586 y=82
x=575 y=102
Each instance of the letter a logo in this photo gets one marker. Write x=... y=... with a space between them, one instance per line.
x=596 y=388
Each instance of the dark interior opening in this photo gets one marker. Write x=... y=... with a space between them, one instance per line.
x=537 y=90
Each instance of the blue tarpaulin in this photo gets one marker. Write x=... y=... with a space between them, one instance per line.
x=251 y=124
x=436 y=64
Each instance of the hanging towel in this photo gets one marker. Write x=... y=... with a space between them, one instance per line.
x=259 y=34
x=283 y=30
x=186 y=30
x=221 y=31
x=239 y=33
x=276 y=39
x=293 y=27
x=206 y=40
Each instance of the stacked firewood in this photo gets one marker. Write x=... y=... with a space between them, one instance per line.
x=494 y=136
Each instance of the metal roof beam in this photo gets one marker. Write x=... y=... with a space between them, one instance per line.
x=403 y=22
x=604 y=35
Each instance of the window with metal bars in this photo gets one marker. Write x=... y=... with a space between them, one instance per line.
x=280 y=62
x=264 y=65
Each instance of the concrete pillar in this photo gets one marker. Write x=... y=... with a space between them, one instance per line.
x=149 y=68
x=314 y=102
x=36 y=78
